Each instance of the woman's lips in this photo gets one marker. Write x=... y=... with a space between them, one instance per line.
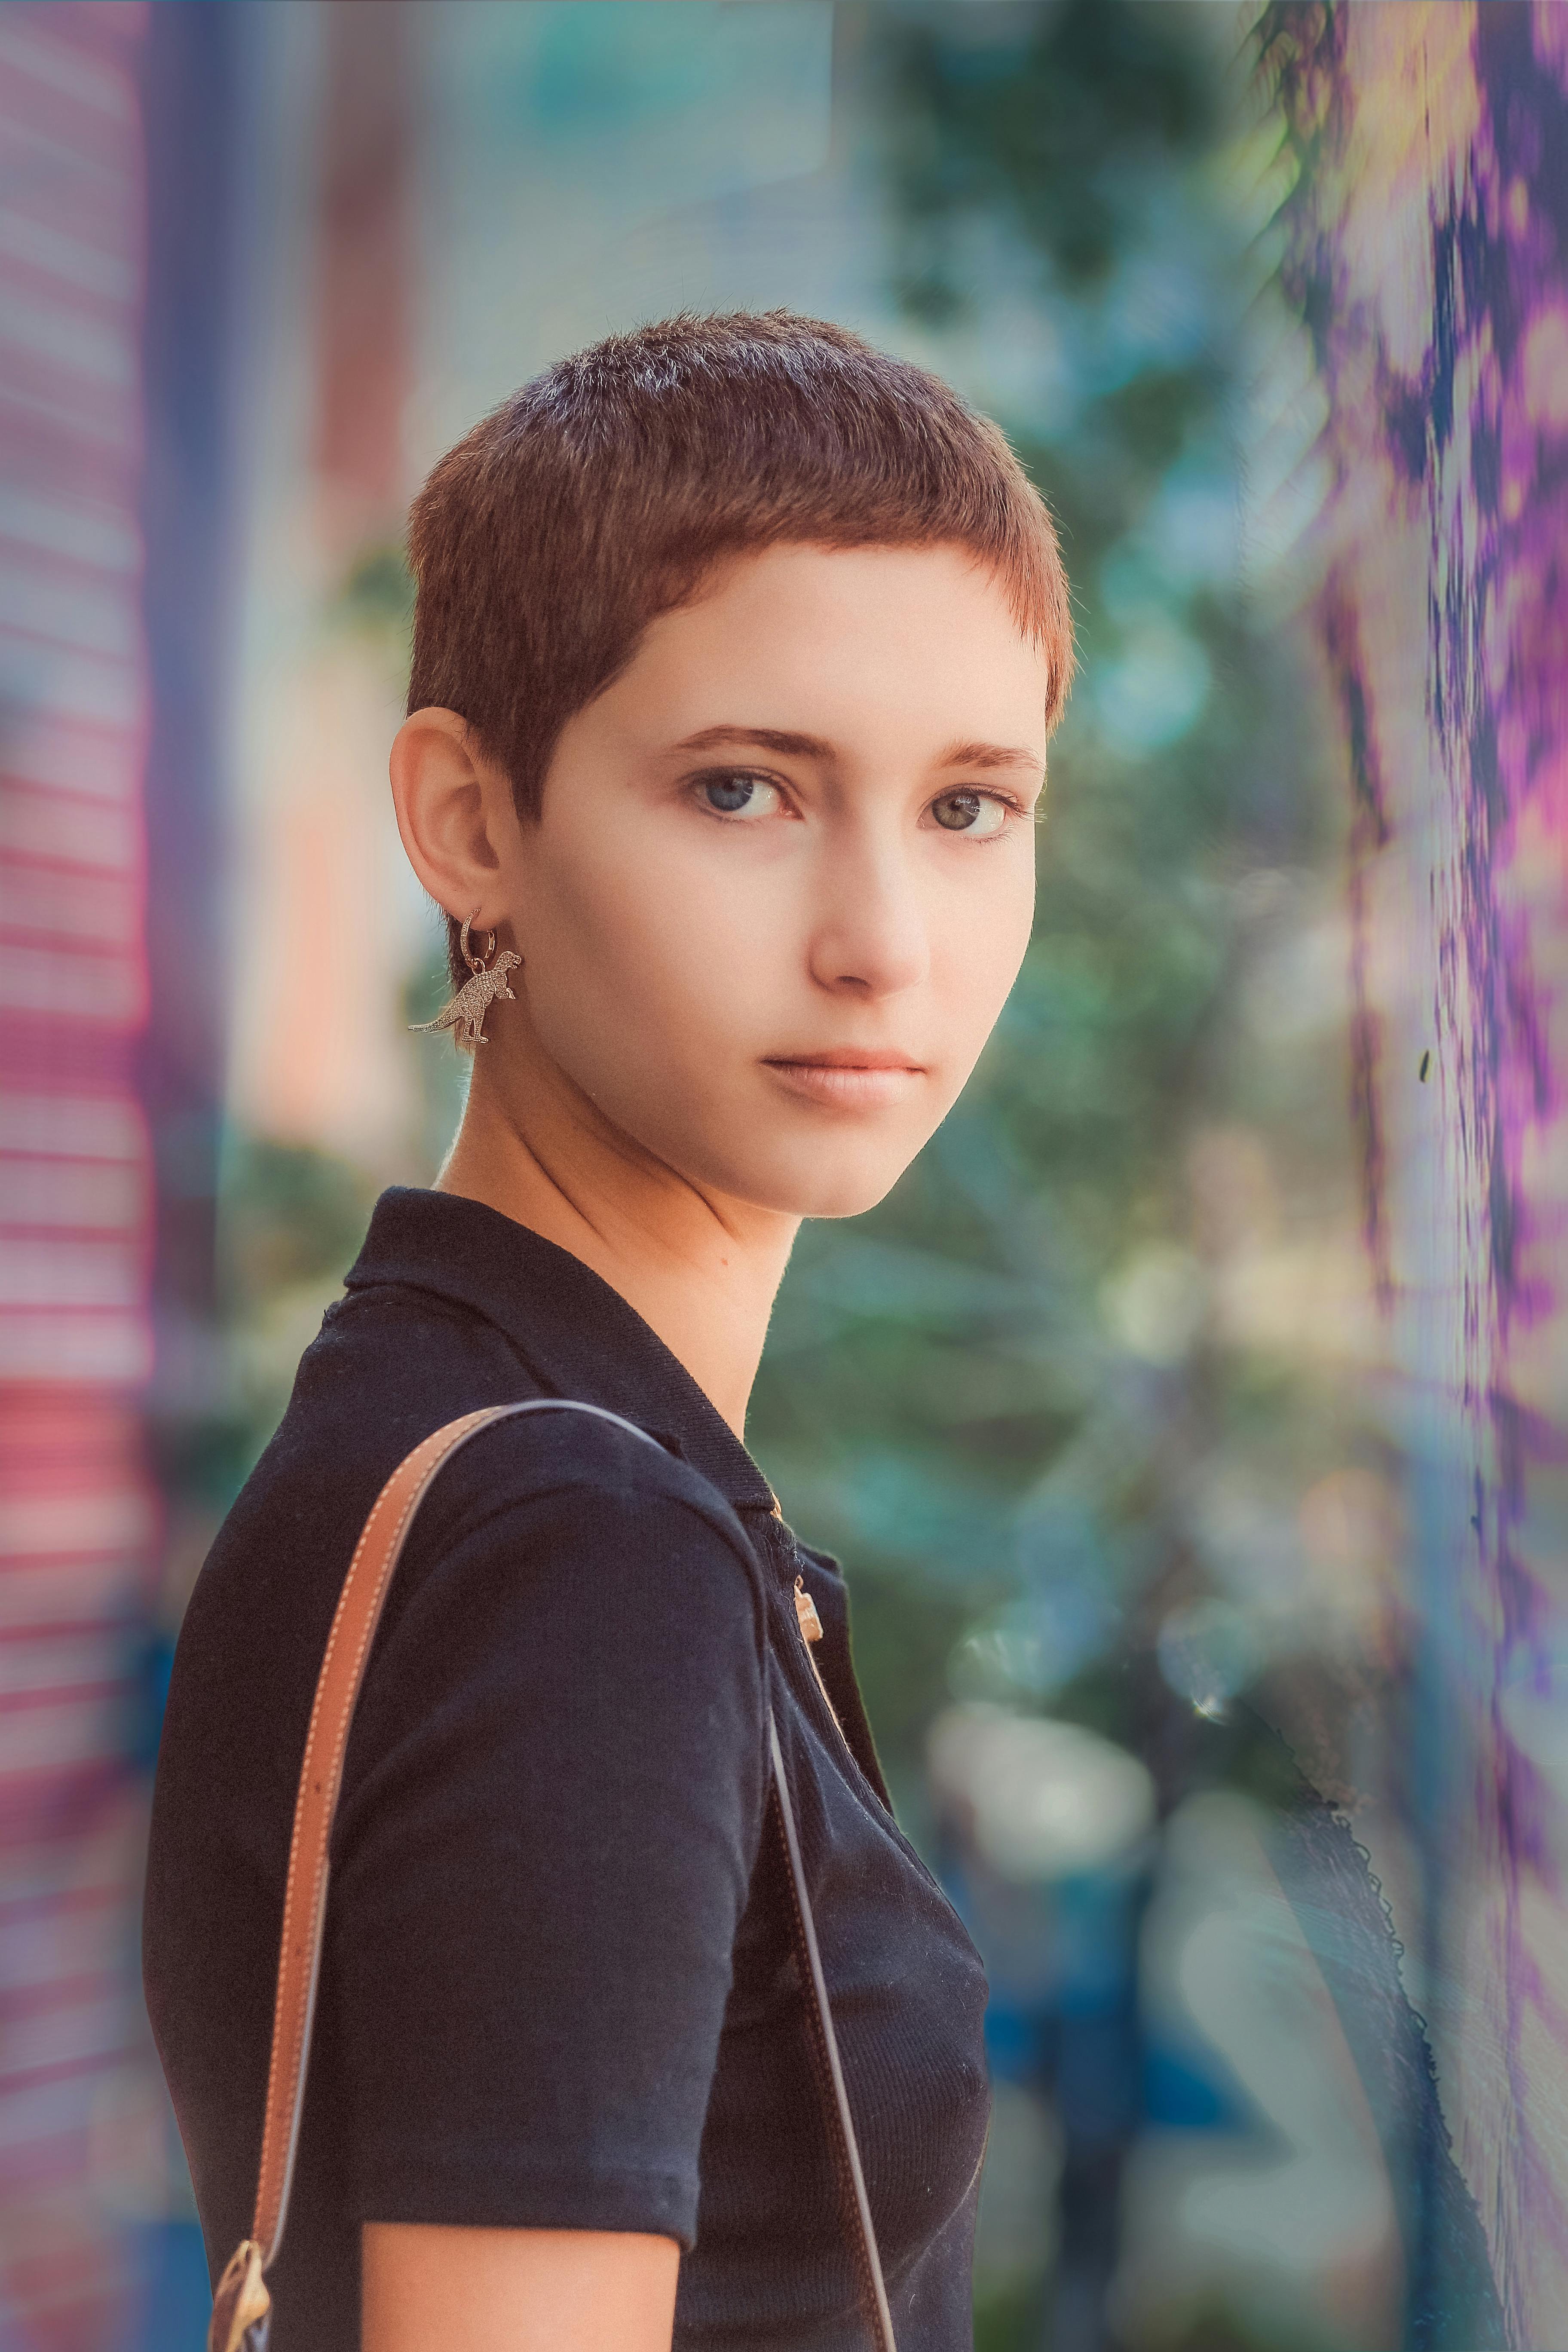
x=849 y=1078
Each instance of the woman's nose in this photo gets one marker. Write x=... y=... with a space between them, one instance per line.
x=871 y=937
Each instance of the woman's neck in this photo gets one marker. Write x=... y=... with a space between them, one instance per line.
x=700 y=1269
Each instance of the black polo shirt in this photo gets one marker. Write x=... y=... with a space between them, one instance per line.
x=558 y=1987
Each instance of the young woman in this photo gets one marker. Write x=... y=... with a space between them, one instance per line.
x=737 y=649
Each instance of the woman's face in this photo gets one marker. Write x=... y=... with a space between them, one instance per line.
x=783 y=875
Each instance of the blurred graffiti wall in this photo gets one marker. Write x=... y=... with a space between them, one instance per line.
x=1428 y=252
x=114 y=128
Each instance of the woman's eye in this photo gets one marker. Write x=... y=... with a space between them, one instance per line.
x=743 y=796
x=980 y=814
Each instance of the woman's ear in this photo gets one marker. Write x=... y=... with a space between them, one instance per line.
x=456 y=814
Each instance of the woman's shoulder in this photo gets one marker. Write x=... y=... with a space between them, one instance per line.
x=571 y=1536
x=570 y=1474
x=553 y=1487
x=557 y=1543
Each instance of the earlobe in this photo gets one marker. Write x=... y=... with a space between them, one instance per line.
x=452 y=805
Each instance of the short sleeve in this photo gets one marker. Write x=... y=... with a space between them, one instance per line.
x=553 y=1800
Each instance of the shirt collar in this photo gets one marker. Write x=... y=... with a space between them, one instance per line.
x=577 y=1336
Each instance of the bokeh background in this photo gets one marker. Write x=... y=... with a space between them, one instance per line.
x=1192 y=1419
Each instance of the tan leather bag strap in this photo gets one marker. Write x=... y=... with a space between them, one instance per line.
x=241 y=2304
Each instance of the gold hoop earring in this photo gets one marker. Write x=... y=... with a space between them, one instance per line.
x=474 y=962
x=466 y=1011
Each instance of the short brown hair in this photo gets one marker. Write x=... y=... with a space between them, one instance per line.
x=600 y=495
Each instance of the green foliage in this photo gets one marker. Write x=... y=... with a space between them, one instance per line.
x=293 y=1220
x=942 y=1397
x=1009 y=2319
x=377 y=598
x=293 y=1217
x=1061 y=115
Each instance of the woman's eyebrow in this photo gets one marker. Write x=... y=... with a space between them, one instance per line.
x=792 y=746
x=992 y=755
x=765 y=738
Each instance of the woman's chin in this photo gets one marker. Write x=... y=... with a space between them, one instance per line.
x=829 y=1186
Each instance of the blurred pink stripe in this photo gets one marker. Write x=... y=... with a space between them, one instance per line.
x=79 y=1517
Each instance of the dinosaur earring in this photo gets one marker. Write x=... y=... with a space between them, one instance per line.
x=468 y=1009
